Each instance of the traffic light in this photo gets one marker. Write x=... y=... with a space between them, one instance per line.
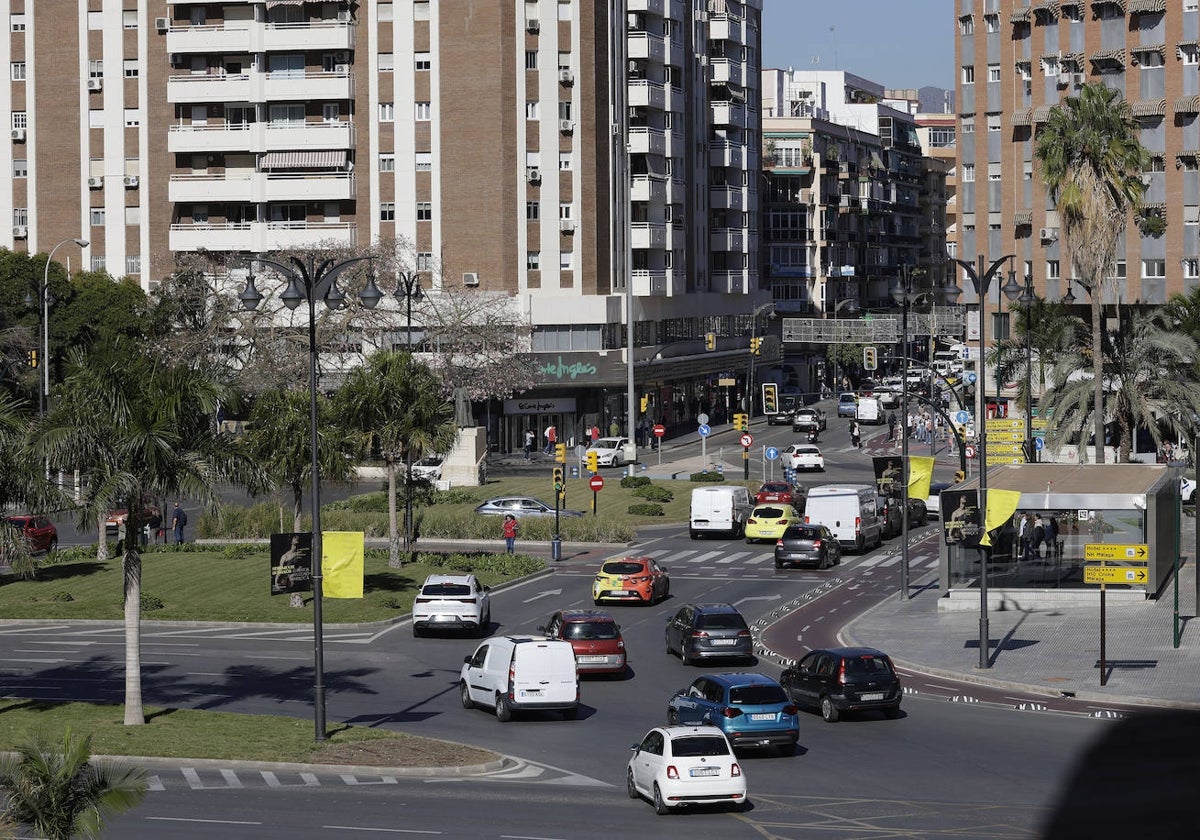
x=560 y=453
x=33 y=358
x=593 y=461
x=755 y=345
x=558 y=480
x=710 y=341
x=645 y=402
x=770 y=398
x=959 y=476
x=741 y=422
x=870 y=358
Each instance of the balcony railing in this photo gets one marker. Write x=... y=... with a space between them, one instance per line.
x=260 y=137
x=260 y=236
x=258 y=37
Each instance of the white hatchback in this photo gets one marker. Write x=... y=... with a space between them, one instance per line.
x=452 y=602
x=610 y=451
x=803 y=456
x=675 y=766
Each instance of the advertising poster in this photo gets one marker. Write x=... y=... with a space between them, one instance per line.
x=291 y=563
x=888 y=476
x=961 y=520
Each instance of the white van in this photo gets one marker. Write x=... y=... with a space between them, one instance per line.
x=518 y=673
x=869 y=411
x=849 y=511
x=723 y=510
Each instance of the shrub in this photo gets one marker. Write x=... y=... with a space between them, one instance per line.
x=150 y=603
x=645 y=509
x=24 y=566
x=61 y=596
x=635 y=481
x=707 y=476
x=654 y=494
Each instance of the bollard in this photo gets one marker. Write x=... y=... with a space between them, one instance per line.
x=555 y=548
x=574 y=472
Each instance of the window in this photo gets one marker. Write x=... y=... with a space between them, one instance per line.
x=566 y=260
x=533 y=260
x=133 y=118
x=564 y=211
x=421 y=10
x=97 y=217
x=423 y=161
x=530 y=59
x=387 y=62
x=424 y=261
x=1190 y=5
x=133 y=264
x=95 y=21
x=1191 y=214
x=564 y=161
x=387 y=112
x=20 y=168
x=994 y=171
x=95 y=69
x=130 y=68
x=968 y=75
x=423 y=111
x=421 y=61
x=993 y=121
x=16 y=23
x=564 y=10
x=1191 y=267
x=129 y=19
x=21 y=216
x=133 y=214
x=95 y=118
x=991 y=22
x=1049 y=66
x=385 y=11
x=1154 y=268
x=99 y=263
x=387 y=211
x=941 y=138
x=993 y=72
x=564 y=109
x=387 y=163
x=564 y=61
x=1052 y=272
x=1119 y=269
x=532 y=211
x=1188 y=53
x=17 y=71
x=966 y=25
x=331 y=112
x=200 y=214
x=424 y=211
x=968 y=125
x=968 y=173
x=531 y=110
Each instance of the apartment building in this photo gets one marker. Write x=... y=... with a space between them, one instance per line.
x=1015 y=60
x=595 y=160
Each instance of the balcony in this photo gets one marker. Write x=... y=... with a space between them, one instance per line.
x=726 y=198
x=648 y=283
x=724 y=153
x=723 y=27
x=255 y=37
x=654 y=7
x=259 y=137
x=260 y=87
x=727 y=239
x=646 y=94
x=261 y=236
x=729 y=114
x=260 y=187
x=729 y=282
x=722 y=71
x=647 y=141
x=645 y=188
x=646 y=46
x=644 y=235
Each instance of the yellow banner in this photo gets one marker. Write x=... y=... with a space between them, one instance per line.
x=920 y=471
x=1001 y=505
x=342 y=563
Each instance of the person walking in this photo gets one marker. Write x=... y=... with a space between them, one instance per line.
x=891 y=421
x=178 y=521
x=1037 y=537
x=551 y=436
x=122 y=532
x=594 y=433
x=511 y=527
x=1024 y=532
x=855 y=435
x=529 y=438
x=155 y=526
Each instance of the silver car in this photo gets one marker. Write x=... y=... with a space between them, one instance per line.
x=709 y=631
x=520 y=506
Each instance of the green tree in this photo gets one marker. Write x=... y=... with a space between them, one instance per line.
x=396 y=403
x=1045 y=327
x=1091 y=163
x=56 y=789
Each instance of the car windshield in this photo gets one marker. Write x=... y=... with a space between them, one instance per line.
x=774 y=488
x=807 y=450
x=868 y=665
x=756 y=695
x=446 y=589
x=592 y=630
x=801 y=533
x=722 y=621
x=622 y=568
x=768 y=512
x=690 y=746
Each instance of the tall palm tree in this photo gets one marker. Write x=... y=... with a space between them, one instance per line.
x=1091 y=163
x=57 y=790
x=1039 y=331
x=395 y=402
x=138 y=430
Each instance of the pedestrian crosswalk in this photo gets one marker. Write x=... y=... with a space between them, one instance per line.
x=763 y=560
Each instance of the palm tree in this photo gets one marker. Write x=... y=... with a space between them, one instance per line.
x=1092 y=162
x=1040 y=330
x=395 y=402
x=279 y=438
x=138 y=430
x=57 y=790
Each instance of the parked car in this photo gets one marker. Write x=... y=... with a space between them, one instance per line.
x=1187 y=490
x=889 y=515
x=637 y=579
x=709 y=631
x=680 y=766
x=428 y=468
x=520 y=506
x=809 y=419
x=610 y=451
x=768 y=522
x=751 y=709
x=807 y=545
x=452 y=602
x=113 y=519
x=839 y=680
x=847 y=405
x=803 y=456
x=780 y=492
x=39 y=532
x=595 y=637
x=933 y=504
x=519 y=673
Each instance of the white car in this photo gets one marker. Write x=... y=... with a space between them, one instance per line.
x=803 y=456
x=610 y=451
x=428 y=468
x=452 y=602
x=674 y=766
x=1187 y=489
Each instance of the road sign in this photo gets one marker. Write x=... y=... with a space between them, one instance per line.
x=746 y=440
x=1115 y=574
x=596 y=483
x=970 y=451
x=704 y=430
x=1005 y=437
x=1039 y=443
x=726 y=382
x=962 y=418
x=659 y=430
x=702 y=419
x=971 y=377
x=771 y=452
x=1001 y=424
x=1005 y=448
x=1137 y=552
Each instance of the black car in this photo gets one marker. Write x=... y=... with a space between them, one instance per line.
x=709 y=631
x=808 y=545
x=838 y=680
x=889 y=513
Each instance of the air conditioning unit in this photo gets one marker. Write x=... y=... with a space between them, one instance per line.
x=20 y=232
x=566 y=225
x=566 y=126
x=533 y=26
x=131 y=180
x=95 y=84
x=566 y=77
x=18 y=135
x=533 y=175
x=470 y=278
x=1077 y=78
x=1064 y=79
x=341 y=56
x=162 y=24
x=343 y=16
x=95 y=182
x=1048 y=234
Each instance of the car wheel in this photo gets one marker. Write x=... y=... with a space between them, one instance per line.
x=683 y=657
x=693 y=534
x=891 y=712
x=630 y=787
x=660 y=806
x=829 y=712
x=739 y=807
x=749 y=541
x=417 y=632
x=464 y=694
x=503 y=710
x=825 y=564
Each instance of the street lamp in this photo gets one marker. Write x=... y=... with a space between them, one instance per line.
x=904 y=294
x=754 y=351
x=408 y=289
x=44 y=299
x=980 y=279
x=310 y=280
x=1026 y=299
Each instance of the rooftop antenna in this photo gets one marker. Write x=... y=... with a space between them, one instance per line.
x=833 y=41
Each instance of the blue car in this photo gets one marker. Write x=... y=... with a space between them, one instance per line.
x=752 y=710
x=847 y=405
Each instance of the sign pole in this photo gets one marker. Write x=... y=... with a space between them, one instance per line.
x=746 y=463
x=1103 y=666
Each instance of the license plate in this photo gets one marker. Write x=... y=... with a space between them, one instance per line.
x=877 y=695
x=762 y=717
x=723 y=641
x=532 y=692
x=591 y=659
x=705 y=771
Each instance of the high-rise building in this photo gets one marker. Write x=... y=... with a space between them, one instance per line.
x=557 y=151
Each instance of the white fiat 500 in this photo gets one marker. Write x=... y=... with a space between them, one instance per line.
x=677 y=766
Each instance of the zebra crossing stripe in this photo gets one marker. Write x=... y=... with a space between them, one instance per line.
x=196 y=783
x=309 y=779
x=707 y=556
x=733 y=558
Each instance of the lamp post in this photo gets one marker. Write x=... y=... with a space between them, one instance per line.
x=904 y=294
x=408 y=289
x=309 y=280
x=44 y=299
x=1026 y=299
x=980 y=279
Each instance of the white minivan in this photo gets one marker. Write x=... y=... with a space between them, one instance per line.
x=849 y=511
x=521 y=673
x=719 y=510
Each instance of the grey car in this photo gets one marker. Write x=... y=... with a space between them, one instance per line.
x=520 y=506
x=709 y=631
x=807 y=545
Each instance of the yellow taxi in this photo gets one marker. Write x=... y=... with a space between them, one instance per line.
x=768 y=522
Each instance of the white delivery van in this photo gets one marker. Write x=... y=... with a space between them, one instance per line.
x=869 y=411
x=517 y=673
x=849 y=511
x=719 y=510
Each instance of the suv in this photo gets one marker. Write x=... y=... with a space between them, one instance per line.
x=751 y=709
x=452 y=601
x=516 y=673
x=809 y=419
x=838 y=680
x=889 y=514
x=709 y=631
x=595 y=637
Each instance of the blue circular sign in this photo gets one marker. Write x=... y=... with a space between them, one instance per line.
x=1039 y=444
x=962 y=418
x=772 y=453
x=971 y=377
x=704 y=430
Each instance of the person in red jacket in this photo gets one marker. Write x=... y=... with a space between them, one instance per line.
x=511 y=526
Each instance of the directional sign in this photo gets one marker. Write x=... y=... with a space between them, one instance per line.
x=1116 y=551
x=1114 y=574
x=1004 y=424
x=962 y=418
x=772 y=453
x=1039 y=443
x=704 y=430
x=971 y=378
x=596 y=483
x=746 y=440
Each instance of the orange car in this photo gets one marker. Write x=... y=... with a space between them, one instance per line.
x=638 y=579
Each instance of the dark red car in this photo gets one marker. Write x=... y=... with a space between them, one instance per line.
x=38 y=530
x=777 y=492
x=595 y=637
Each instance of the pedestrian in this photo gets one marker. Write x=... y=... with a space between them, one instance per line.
x=1024 y=532
x=155 y=526
x=855 y=435
x=178 y=520
x=551 y=436
x=928 y=429
x=614 y=429
x=1052 y=537
x=891 y=421
x=529 y=438
x=1038 y=537
x=121 y=534
x=594 y=433
x=511 y=526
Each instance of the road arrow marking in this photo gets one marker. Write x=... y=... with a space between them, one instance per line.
x=758 y=598
x=545 y=593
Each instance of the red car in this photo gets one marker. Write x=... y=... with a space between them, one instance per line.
x=38 y=530
x=595 y=637
x=777 y=492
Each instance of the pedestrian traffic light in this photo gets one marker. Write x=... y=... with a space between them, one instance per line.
x=741 y=422
x=710 y=341
x=770 y=398
x=558 y=479
x=33 y=358
x=560 y=453
x=593 y=461
x=870 y=358
x=755 y=345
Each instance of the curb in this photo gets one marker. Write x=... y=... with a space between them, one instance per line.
x=294 y=767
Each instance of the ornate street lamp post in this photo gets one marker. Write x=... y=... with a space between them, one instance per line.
x=408 y=289
x=44 y=300
x=904 y=294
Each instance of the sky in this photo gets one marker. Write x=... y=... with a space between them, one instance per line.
x=897 y=43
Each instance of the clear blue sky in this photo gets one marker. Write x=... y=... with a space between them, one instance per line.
x=897 y=43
